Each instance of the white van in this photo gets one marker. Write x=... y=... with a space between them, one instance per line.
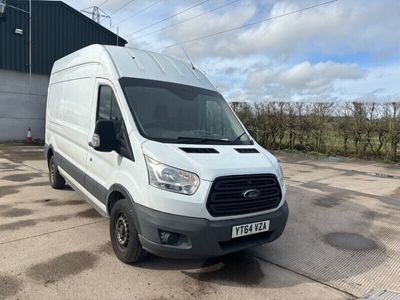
x=149 y=142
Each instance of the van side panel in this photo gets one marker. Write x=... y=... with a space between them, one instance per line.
x=68 y=121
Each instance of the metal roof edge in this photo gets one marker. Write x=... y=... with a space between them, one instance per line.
x=65 y=5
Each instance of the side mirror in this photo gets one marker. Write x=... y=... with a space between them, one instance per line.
x=104 y=139
x=252 y=133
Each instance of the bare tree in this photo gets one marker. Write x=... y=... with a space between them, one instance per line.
x=352 y=128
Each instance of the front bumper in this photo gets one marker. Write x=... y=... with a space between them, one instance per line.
x=203 y=238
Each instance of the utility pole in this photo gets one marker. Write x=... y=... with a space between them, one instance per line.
x=30 y=45
x=2 y=7
x=96 y=14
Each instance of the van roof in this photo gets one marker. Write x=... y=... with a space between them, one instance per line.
x=135 y=63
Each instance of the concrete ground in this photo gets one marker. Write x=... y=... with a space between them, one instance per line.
x=342 y=240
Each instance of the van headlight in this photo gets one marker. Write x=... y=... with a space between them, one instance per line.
x=171 y=179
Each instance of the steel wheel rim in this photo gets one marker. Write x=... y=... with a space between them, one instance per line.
x=122 y=230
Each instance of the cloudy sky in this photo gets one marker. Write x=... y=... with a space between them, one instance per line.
x=345 y=50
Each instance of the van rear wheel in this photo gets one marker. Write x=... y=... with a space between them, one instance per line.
x=124 y=236
x=55 y=178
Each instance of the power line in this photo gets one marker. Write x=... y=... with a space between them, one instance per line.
x=102 y=3
x=96 y=13
x=122 y=6
x=139 y=12
x=246 y=25
x=187 y=20
x=169 y=17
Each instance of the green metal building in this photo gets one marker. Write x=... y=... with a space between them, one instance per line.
x=57 y=30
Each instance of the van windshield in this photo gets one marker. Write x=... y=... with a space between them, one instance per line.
x=175 y=113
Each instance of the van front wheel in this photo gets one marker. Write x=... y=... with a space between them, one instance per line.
x=124 y=236
x=55 y=179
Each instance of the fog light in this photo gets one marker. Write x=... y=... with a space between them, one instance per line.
x=169 y=238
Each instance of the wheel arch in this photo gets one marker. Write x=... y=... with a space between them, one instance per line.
x=116 y=193
x=48 y=152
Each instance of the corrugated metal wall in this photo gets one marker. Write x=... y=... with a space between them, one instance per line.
x=57 y=30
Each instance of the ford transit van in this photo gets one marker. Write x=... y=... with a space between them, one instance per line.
x=151 y=144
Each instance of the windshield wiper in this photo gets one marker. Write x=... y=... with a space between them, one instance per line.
x=238 y=138
x=202 y=140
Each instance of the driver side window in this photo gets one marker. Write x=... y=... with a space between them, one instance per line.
x=107 y=109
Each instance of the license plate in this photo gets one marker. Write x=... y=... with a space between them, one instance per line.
x=251 y=228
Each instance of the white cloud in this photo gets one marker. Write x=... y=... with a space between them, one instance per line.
x=322 y=81
x=380 y=83
x=301 y=79
x=305 y=76
x=347 y=49
x=205 y=25
x=338 y=28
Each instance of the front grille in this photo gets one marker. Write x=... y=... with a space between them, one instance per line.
x=226 y=197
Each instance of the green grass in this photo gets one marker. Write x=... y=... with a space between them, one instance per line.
x=334 y=146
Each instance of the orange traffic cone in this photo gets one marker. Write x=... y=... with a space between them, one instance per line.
x=29 y=136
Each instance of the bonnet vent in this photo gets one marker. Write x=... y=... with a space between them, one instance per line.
x=247 y=150
x=199 y=150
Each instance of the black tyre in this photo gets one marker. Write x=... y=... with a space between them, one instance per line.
x=124 y=236
x=55 y=179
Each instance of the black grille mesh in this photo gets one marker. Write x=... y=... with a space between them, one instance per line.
x=226 y=195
